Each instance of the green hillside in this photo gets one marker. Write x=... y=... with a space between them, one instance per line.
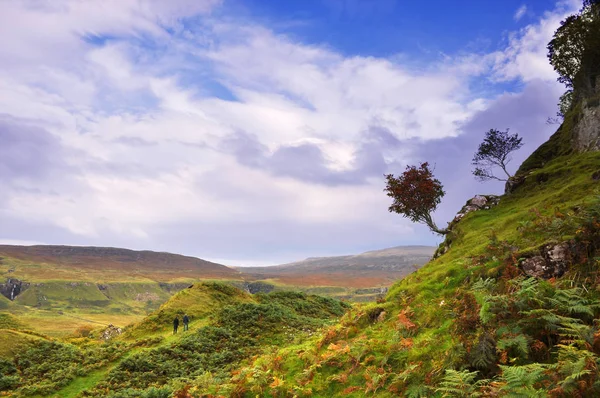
x=58 y=289
x=471 y=321
x=228 y=328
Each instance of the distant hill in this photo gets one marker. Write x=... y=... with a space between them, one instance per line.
x=56 y=289
x=105 y=264
x=372 y=268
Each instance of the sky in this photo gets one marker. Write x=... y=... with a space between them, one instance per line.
x=257 y=132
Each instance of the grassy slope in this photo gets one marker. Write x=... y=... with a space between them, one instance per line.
x=198 y=301
x=254 y=324
x=413 y=345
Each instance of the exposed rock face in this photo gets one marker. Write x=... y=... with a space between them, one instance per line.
x=12 y=288
x=513 y=183
x=110 y=332
x=258 y=287
x=536 y=267
x=586 y=132
x=553 y=262
x=478 y=202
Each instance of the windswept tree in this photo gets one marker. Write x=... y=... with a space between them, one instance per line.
x=416 y=194
x=493 y=152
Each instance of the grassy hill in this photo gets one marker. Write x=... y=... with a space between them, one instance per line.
x=105 y=264
x=58 y=289
x=229 y=327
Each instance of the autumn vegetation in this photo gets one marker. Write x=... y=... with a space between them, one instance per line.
x=416 y=193
x=471 y=323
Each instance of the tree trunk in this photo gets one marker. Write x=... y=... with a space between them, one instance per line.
x=432 y=226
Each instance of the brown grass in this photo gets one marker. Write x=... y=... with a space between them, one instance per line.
x=339 y=279
x=40 y=263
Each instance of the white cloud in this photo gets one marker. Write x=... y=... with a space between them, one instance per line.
x=525 y=55
x=520 y=13
x=149 y=139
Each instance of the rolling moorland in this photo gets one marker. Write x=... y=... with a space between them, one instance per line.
x=508 y=307
x=57 y=289
x=370 y=272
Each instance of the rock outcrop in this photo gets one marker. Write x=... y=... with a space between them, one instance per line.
x=586 y=132
x=12 y=288
x=513 y=183
x=110 y=332
x=478 y=202
x=553 y=261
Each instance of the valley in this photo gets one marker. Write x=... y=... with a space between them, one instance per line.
x=56 y=290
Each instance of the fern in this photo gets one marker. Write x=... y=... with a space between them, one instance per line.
x=551 y=321
x=574 y=365
x=523 y=381
x=574 y=302
x=417 y=391
x=483 y=354
x=484 y=285
x=527 y=293
x=519 y=342
x=576 y=333
x=459 y=384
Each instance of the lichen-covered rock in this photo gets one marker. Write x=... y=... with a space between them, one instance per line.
x=553 y=263
x=558 y=257
x=478 y=202
x=536 y=267
x=110 y=332
x=586 y=133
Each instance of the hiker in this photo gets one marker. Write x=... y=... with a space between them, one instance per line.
x=186 y=321
x=175 y=325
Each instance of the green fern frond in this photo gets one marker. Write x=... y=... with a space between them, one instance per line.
x=519 y=342
x=523 y=381
x=459 y=384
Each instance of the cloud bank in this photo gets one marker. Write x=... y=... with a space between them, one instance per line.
x=173 y=126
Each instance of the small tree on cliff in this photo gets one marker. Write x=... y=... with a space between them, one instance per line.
x=493 y=152
x=574 y=50
x=416 y=194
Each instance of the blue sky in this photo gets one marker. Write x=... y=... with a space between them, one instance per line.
x=256 y=132
x=383 y=28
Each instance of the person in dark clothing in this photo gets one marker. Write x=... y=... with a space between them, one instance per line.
x=175 y=325
x=186 y=321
